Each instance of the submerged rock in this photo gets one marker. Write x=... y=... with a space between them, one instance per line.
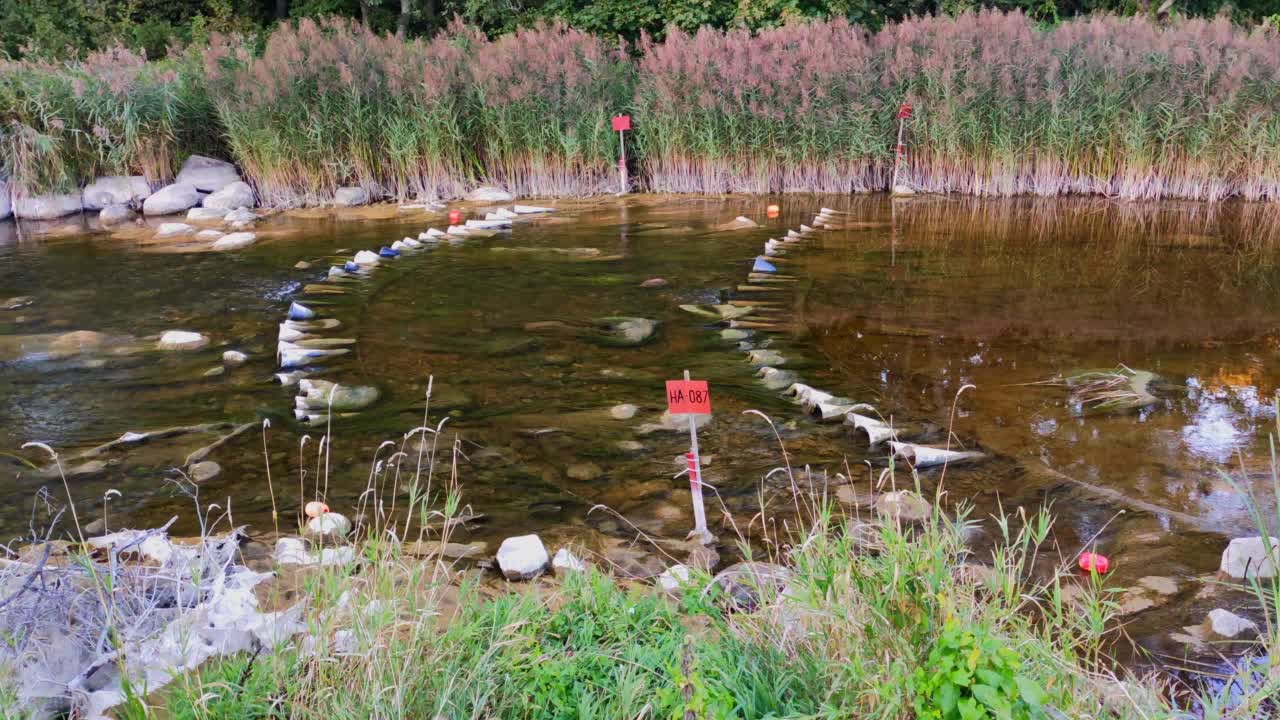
x=739 y=223
x=654 y=283
x=204 y=214
x=584 y=471
x=240 y=215
x=171 y=199
x=904 y=505
x=234 y=357
x=235 y=241
x=116 y=215
x=173 y=230
x=451 y=550
x=207 y=174
x=231 y=196
x=629 y=331
x=523 y=557
x=203 y=471
x=1248 y=557
x=182 y=340
x=625 y=411
x=323 y=394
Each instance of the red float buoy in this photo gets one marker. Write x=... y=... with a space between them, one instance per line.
x=455 y=217
x=1093 y=562
x=772 y=211
x=315 y=509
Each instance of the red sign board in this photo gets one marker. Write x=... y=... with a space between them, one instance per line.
x=688 y=397
x=904 y=112
x=621 y=122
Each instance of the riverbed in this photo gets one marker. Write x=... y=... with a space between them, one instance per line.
x=904 y=305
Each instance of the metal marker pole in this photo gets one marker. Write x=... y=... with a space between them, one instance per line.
x=622 y=162
x=695 y=484
x=897 y=160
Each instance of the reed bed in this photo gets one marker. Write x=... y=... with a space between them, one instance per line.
x=1120 y=107
x=113 y=113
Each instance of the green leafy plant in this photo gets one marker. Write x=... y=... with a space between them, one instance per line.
x=971 y=675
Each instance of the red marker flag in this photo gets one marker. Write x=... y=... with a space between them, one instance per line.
x=621 y=122
x=688 y=397
x=904 y=111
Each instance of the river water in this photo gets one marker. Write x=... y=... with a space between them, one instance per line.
x=908 y=303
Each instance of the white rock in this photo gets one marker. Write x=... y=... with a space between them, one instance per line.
x=207 y=174
x=1247 y=557
x=233 y=195
x=350 y=197
x=47 y=207
x=292 y=551
x=204 y=471
x=1222 y=624
x=234 y=357
x=399 y=245
x=432 y=234
x=115 y=190
x=566 y=560
x=903 y=189
x=530 y=209
x=674 y=577
x=330 y=527
x=171 y=199
x=209 y=234
x=204 y=214
x=506 y=214
x=366 y=257
x=488 y=193
x=6 y=205
x=235 y=241
x=625 y=411
x=173 y=229
x=115 y=215
x=182 y=340
x=240 y=215
x=523 y=557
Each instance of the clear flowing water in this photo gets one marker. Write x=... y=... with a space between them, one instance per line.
x=912 y=302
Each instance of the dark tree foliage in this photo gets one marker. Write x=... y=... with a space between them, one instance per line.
x=64 y=28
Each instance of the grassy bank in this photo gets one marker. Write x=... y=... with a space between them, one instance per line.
x=1117 y=106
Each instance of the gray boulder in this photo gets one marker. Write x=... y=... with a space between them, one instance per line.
x=175 y=198
x=115 y=215
x=350 y=197
x=47 y=207
x=115 y=190
x=206 y=174
x=488 y=193
x=1248 y=557
x=235 y=195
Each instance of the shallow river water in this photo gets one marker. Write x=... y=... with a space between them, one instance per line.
x=910 y=302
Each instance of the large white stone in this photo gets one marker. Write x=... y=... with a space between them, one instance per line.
x=350 y=196
x=523 y=557
x=235 y=195
x=47 y=207
x=328 y=527
x=171 y=199
x=115 y=190
x=207 y=174
x=488 y=193
x=1247 y=557
x=182 y=340
x=235 y=241
x=1224 y=625
x=173 y=229
x=366 y=257
x=673 y=577
x=566 y=560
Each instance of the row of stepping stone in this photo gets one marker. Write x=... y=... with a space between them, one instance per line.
x=302 y=346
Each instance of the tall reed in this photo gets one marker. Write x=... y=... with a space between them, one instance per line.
x=114 y=113
x=330 y=103
x=543 y=99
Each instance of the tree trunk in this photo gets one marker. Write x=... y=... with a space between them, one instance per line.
x=406 y=13
x=282 y=9
x=364 y=12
